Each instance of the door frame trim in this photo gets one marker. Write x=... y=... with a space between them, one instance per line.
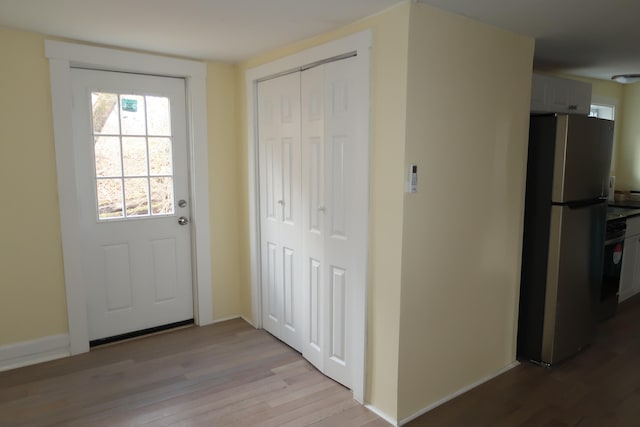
x=361 y=44
x=62 y=56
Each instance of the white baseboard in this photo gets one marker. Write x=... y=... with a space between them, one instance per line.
x=35 y=351
x=224 y=319
x=458 y=393
x=626 y=295
x=382 y=415
x=249 y=322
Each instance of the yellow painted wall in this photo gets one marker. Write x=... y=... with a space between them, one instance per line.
x=456 y=70
x=628 y=160
x=389 y=61
x=224 y=201
x=32 y=296
x=605 y=89
x=467 y=130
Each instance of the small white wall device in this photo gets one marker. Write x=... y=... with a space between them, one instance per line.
x=412 y=183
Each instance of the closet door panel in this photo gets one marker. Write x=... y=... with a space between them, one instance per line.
x=314 y=212
x=280 y=206
x=346 y=199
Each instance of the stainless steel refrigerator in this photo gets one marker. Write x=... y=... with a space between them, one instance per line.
x=564 y=229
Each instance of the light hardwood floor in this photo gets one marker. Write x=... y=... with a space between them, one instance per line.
x=227 y=374
x=230 y=374
x=599 y=387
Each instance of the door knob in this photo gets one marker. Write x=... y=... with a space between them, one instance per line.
x=183 y=220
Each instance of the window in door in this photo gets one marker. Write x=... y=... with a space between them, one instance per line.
x=132 y=155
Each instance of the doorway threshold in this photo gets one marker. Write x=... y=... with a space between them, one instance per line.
x=141 y=333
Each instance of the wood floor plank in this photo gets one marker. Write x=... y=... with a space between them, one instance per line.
x=598 y=387
x=230 y=374
x=223 y=374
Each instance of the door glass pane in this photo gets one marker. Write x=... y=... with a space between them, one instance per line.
x=134 y=156
x=158 y=116
x=104 y=108
x=161 y=195
x=136 y=193
x=132 y=115
x=109 y=198
x=107 y=156
x=160 y=156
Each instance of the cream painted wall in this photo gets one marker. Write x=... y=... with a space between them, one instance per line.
x=467 y=130
x=389 y=89
x=32 y=296
x=439 y=86
x=628 y=160
x=222 y=113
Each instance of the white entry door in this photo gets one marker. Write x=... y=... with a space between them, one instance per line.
x=313 y=161
x=131 y=162
x=280 y=209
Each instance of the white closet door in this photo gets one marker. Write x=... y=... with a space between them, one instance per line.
x=335 y=202
x=314 y=213
x=280 y=206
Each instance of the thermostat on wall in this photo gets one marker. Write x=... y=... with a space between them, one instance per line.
x=412 y=183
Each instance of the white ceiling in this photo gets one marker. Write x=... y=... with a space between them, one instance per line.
x=593 y=38
x=225 y=30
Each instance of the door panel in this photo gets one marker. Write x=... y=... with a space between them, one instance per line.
x=290 y=292
x=314 y=319
x=270 y=168
x=131 y=158
x=273 y=289
x=165 y=269
x=315 y=191
x=280 y=206
x=338 y=315
x=347 y=196
x=314 y=215
x=335 y=202
x=118 y=280
x=338 y=212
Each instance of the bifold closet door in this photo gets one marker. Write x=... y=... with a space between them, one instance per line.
x=313 y=207
x=280 y=207
x=334 y=202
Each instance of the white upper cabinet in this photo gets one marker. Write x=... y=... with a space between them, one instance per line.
x=557 y=95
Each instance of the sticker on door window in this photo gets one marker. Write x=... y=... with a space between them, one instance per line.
x=133 y=156
x=129 y=105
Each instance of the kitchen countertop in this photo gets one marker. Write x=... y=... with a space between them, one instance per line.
x=620 y=210
x=625 y=204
